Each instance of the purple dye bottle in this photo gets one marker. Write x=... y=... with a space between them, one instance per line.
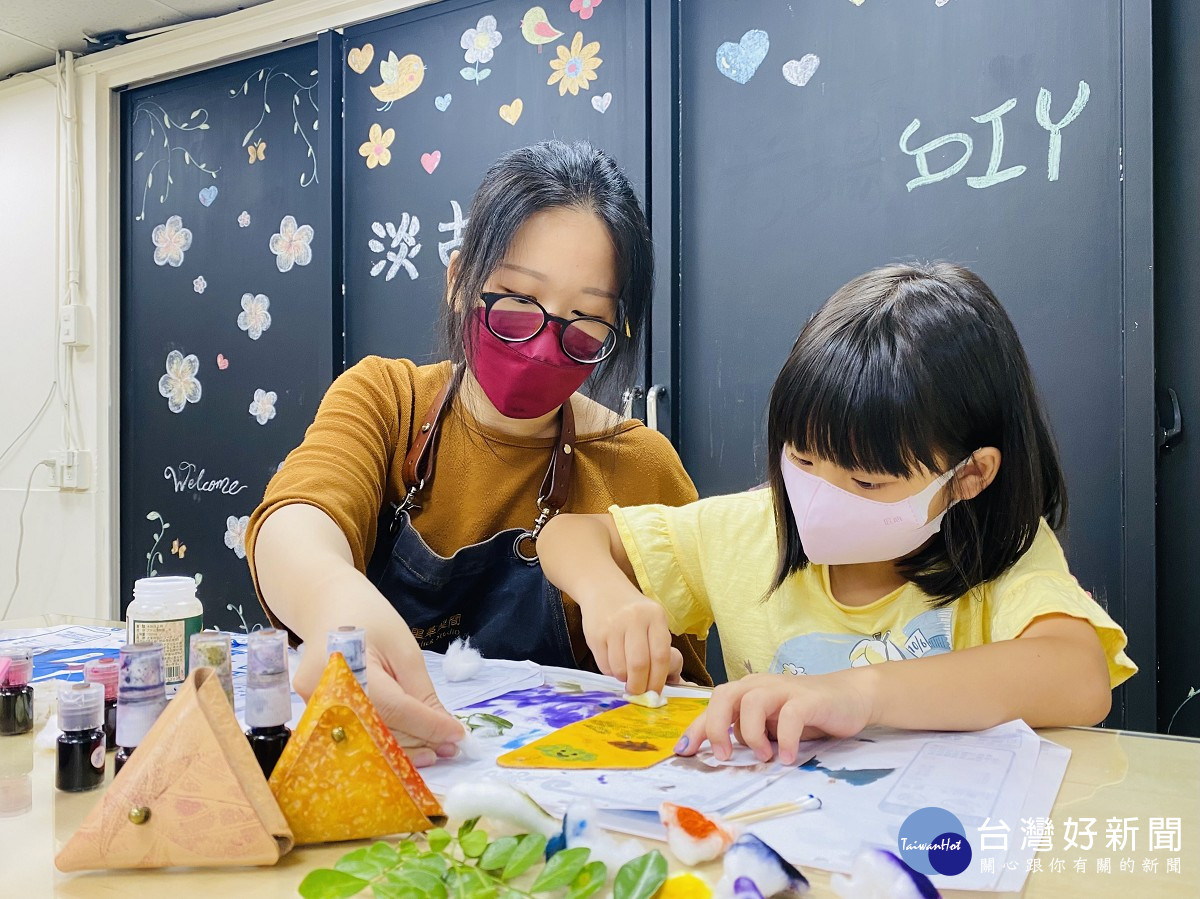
x=16 y=695
x=268 y=696
x=81 y=743
x=105 y=672
x=141 y=697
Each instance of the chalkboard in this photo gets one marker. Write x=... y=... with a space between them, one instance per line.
x=414 y=155
x=820 y=140
x=227 y=312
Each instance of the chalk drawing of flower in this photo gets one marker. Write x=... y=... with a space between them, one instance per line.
x=244 y=219
x=254 y=317
x=263 y=406
x=481 y=41
x=235 y=534
x=180 y=384
x=585 y=8
x=199 y=285
x=171 y=239
x=291 y=244
x=575 y=68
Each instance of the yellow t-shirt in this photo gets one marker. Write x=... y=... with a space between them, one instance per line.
x=714 y=560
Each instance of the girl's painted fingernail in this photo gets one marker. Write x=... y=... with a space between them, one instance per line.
x=682 y=745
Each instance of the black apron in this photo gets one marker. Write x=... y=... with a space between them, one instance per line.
x=494 y=591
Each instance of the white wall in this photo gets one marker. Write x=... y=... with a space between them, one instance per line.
x=59 y=560
x=69 y=559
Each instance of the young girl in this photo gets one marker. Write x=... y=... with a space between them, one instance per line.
x=914 y=489
x=413 y=505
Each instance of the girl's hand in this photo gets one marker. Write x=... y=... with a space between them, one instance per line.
x=631 y=641
x=401 y=691
x=784 y=708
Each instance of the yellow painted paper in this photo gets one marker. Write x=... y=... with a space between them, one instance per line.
x=631 y=736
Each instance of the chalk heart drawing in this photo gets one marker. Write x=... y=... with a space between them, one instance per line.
x=860 y=2
x=940 y=2
x=429 y=161
x=359 y=58
x=738 y=62
x=510 y=112
x=601 y=103
x=222 y=362
x=443 y=102
x=208 y=194
x=799 y=71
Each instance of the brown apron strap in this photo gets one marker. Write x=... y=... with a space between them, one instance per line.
x=557 y=482
x=418 y=464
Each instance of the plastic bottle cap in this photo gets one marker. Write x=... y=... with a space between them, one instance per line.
x=20 y=668
x=164 y=588
x=80 y=706
x=351 y=642
x=103 y=672
x=268 y=690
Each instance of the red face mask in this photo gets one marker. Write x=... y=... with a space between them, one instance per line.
x=524 y=380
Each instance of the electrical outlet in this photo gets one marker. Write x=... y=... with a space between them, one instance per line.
x=75 y=325
x=72 y=470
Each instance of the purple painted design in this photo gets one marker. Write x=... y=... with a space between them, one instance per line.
x=557 y=708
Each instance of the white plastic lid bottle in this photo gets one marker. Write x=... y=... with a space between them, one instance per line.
x=165 y=610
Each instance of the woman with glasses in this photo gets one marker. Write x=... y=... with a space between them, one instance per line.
x=413 y=506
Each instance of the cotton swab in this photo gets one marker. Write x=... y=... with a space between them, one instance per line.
x=807 y=803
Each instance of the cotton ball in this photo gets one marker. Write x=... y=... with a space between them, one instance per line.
x=500 y=802
x=462 y=661
x=650 y=699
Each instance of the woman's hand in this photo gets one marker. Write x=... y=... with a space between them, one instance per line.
x=783 y=708
x=630 y=639
x=401 y=691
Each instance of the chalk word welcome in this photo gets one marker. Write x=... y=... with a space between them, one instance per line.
x=188 y=478
x=994 y=174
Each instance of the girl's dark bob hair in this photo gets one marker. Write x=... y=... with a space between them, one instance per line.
x=552 y=175
x=913 y=367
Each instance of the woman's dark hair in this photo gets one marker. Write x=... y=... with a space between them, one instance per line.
x=919 y=365
x=553 y=175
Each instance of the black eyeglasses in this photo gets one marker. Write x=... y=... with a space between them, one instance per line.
x=515 y=319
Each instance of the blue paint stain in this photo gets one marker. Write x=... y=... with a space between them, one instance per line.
x=856 y=777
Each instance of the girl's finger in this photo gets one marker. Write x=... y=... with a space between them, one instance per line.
x=637 y=661
x=659 y=641
x=788 y=731
x=675 y=675
x=693 y=738
x=752 y=723
x=719 y=716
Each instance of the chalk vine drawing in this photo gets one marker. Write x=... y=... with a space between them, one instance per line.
x=262 y=79
x=163 y=146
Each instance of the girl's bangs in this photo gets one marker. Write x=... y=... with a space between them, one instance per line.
x=861 y=402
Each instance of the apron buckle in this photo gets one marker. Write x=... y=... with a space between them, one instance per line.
x=405 y=505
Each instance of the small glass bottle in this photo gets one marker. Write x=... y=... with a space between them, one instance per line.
x=16 y=695
x=141 y=697
x=104 y=672
x=351 y=642
x=165 y=611
x=211 y=649
x=81 y=743
x=268 y=696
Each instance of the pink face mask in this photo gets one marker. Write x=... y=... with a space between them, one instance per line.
x=841 y=528
x=524 y=380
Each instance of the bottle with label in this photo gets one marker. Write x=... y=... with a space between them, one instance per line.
x=16 y=695
x=104 y=673
x=268 y=696
x=81 y=743
x=165 y=611
x=141 y=697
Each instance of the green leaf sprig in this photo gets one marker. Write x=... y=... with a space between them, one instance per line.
x=470 y=865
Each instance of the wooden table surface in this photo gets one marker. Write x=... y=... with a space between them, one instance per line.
x=1112 y=774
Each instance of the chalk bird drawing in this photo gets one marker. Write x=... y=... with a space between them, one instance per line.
x=536 y=28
